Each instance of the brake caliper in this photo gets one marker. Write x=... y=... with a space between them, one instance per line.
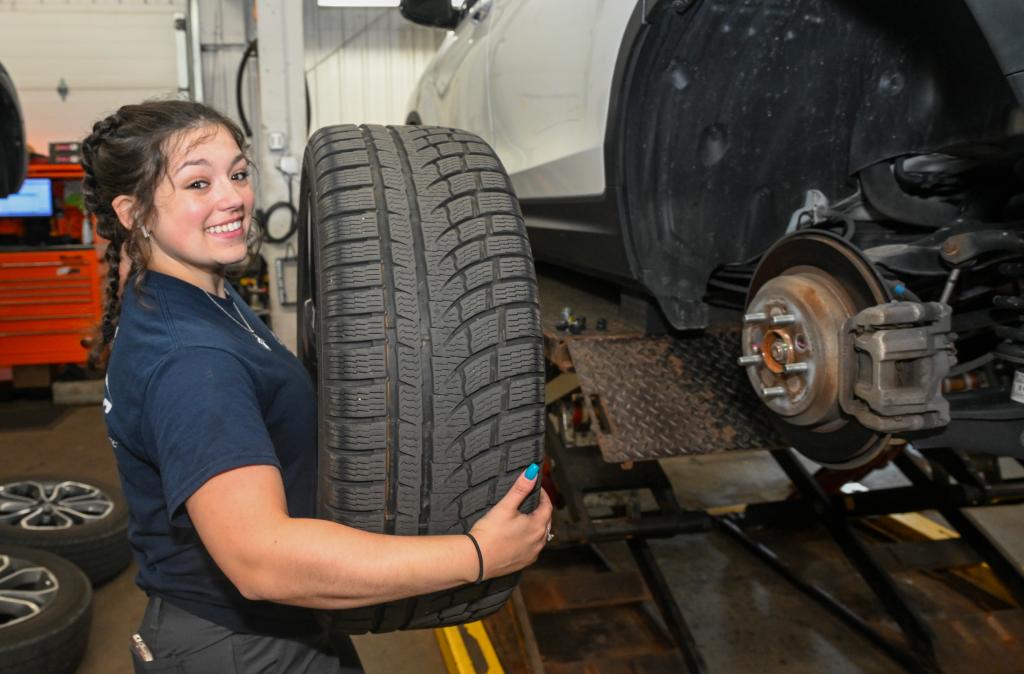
x=894 y=357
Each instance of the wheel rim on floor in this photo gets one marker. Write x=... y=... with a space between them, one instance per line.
x=25 y=590
x=52 y=504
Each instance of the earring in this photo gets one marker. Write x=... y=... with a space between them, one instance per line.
x=145 y=233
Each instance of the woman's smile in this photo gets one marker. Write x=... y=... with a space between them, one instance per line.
x=228 y=230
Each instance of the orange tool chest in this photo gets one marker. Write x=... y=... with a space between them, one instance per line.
x=50 y=295
x=50 y=299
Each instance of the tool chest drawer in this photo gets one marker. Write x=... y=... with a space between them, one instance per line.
x=49 y=301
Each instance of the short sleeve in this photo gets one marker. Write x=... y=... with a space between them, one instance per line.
x=202 y=417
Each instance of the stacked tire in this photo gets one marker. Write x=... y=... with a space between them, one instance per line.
x=58 y=537
x=45 y=612
x=79 y=519
x=420 y=324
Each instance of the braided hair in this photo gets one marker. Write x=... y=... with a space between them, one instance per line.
x=127 y=154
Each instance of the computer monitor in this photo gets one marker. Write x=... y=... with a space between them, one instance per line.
x=33 y=200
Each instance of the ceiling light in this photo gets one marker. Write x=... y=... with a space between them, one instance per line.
x=357 y=3
x=456 y=4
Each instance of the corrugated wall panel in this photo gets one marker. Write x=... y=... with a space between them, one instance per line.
x=108 y=53
x=329 y=93
x=362 y=64
x=223 y=39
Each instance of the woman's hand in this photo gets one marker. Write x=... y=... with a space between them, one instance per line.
x=508 y=539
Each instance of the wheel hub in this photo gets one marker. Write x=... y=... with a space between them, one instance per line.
x=793 y=325
x=803 y=291
x=51 y=504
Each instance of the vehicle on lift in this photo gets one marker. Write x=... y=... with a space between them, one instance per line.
x=847 y=177
x=13 y=153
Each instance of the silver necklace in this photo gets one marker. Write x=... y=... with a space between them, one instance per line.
x=244 y=324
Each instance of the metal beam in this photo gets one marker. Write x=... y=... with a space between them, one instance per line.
x=279 y=127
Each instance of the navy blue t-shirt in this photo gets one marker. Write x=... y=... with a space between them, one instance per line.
x=191 y=394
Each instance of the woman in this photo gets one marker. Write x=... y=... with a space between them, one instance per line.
x=212 y=423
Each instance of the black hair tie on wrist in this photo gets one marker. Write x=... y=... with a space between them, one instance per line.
x=480 y=559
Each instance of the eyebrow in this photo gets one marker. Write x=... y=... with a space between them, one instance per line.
x=203 y=162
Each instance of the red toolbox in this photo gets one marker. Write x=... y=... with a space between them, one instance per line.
x=50 y=299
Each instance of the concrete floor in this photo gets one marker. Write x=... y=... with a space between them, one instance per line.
x=747 y=618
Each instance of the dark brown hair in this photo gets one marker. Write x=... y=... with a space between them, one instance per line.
x=127 y=154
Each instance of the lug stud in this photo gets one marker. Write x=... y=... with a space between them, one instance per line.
x=783 y=319
x=744 y=361
x=773 y=391
x=757 y=317
x=794 y=368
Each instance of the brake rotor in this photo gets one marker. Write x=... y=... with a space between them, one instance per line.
x=805 y=288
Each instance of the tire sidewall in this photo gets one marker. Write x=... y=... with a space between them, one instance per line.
x=310 y=337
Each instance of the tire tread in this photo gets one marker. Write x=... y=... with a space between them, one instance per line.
x=431 y=357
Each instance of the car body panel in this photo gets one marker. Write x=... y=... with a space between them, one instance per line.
x=534 y=79
x=454 y=85
x=552 y=65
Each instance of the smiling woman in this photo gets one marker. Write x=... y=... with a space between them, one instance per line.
x=145 y=164
x=213 y=424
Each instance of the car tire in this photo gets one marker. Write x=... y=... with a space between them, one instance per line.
x=44 y=623
x=87 y=524
x=420 y=323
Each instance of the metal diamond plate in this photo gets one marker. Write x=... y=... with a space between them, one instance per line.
x=665 y=396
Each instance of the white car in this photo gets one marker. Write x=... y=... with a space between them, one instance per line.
x=849 y=176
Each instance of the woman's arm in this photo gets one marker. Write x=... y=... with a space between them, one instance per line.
x=242 y=518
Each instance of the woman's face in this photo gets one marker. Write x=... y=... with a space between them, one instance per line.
x=203 y=208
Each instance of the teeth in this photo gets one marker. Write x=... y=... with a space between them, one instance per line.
x=230 y=227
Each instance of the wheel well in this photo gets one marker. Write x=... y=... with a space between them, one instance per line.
x=729 y=117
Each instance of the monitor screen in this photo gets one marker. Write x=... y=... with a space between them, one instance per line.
x=33 y=200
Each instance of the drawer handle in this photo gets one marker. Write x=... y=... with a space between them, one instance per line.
x=32 y=333
x=47 y=317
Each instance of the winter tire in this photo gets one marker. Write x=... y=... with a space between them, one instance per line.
x=45 y=611
x=420 y=324
x=81 y=520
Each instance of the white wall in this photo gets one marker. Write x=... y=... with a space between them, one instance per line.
x=109 y=52
x=362 y=64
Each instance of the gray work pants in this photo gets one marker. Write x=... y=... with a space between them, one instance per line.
x=182 y=643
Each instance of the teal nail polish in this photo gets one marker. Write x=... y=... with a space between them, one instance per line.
x=531 y=471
